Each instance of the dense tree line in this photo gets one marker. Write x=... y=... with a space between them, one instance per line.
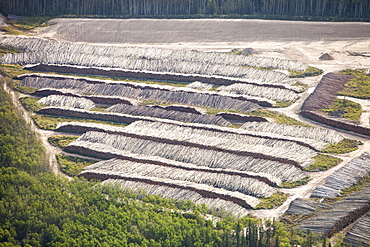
x=38 y=208
x=334 y=8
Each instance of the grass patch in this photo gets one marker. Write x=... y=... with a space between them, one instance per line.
x=273 y=201
x=214 y=111
x=281 y=104
x=51 y=122
x=164 y=83
x=358 y=87
x=303 y=86
x=236 y=125
x=357 y=187
x=155 y=102
x=11 y=71
x=294 y=184
x=31 y=104
x=61 y=140
x=342 y=147
x=23 y=89
x=127 y=79
x=11 y=30
x=310 y=71
x=99 y=108
x=278 y=117
x=26 y=24
x=323 y=162
x=71 y=165
x=9 y=49
x=344 y=108
x=239 y=52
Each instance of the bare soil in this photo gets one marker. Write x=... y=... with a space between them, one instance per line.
x=156 y=31
x=297 y=40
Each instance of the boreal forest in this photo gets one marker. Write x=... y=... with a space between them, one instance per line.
x=317 y=8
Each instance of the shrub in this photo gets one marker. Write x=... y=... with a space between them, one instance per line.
x=322 y=163
x=344 y=108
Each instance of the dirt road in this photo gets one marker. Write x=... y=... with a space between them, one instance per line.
x=51 y=151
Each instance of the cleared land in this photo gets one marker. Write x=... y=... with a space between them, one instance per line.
x=202 y=30
x=201 y=149
x=347 y=43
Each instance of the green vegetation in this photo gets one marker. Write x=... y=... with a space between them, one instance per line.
x=278 y=117
x=128 y=79
x=8 y=49
x=23 y=89
x=19 y=148
x=323 y=162
x=99 y=108
x=61 y=140
x=359 y=86
x=342 y=147
x=12 y=70
x=214 y=111
x=357 y=187
x=239 y=52
x=31 y=104
x=71 y=165
x=303 y=86
x=295 y=183
x=26 y=24
x=344 y=108
x=310 y=71
x=273 y=201
x=236 y=125
x=51 y=122
x=155 y=102
x=11 y=30
x=281 y=104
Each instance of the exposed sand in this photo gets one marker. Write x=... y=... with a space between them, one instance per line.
x=303 y=41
